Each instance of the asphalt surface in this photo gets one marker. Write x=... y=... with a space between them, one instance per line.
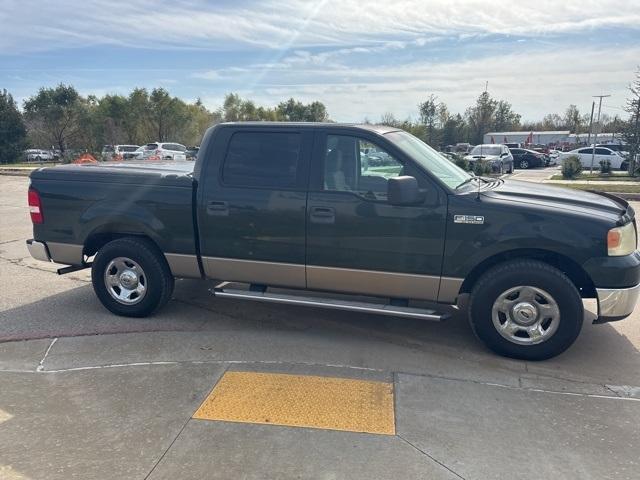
x=85 y=394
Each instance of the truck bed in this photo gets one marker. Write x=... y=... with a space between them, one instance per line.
x=81 y=203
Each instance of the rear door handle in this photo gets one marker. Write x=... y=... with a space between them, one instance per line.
x=217 y=208
x=323 y=215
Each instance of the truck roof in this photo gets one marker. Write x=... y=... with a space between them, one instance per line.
x=380 y=129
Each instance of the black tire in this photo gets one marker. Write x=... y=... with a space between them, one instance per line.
x=511 y=168
x=158 y=279
x=524 y=164
x=536 y=274
x=624 y=166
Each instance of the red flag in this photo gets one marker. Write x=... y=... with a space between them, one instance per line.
x=506 y=140
x=530 y=138
x=492 y=139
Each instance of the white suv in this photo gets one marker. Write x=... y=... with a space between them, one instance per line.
x=37 y=155
x=164 y=151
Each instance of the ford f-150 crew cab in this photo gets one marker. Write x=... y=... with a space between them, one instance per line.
x=367 y=212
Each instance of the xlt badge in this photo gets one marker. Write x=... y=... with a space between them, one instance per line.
x=474 y=219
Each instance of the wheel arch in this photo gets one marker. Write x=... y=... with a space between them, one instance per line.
x=102 y=235
x=578 y=276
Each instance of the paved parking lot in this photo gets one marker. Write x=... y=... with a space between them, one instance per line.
x=85 y=394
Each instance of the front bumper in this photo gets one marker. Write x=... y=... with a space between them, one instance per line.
x=38 y=250
x=616 y=303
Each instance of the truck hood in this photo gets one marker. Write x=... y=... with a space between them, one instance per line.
x=601 y=204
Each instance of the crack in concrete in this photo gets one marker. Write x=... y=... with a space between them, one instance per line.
x=41 y=369
x=40 y=366
x=443 y=465
x=10 y=241
x=183 y=427
x=20 y=263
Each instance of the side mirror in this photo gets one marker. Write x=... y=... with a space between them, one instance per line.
x=403 y=191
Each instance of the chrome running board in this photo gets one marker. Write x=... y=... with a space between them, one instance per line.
x=332 y=303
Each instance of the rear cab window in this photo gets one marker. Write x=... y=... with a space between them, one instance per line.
x=263 y=159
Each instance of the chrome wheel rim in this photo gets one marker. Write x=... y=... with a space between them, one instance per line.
x=125 y=280
x=525 y=315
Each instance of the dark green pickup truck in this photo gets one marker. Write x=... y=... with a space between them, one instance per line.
x=367 y=212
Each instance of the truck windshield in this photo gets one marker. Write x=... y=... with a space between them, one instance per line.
x=448 y=172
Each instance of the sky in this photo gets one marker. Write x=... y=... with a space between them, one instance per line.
x=362 y=59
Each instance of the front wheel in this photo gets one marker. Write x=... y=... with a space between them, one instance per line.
x=526 y=309
x=131 y=277
x=524 y=164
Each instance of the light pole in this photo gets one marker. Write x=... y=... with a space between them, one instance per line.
x=595 y=138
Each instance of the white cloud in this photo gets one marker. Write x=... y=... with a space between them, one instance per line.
x=535 y=82
x=34 y=25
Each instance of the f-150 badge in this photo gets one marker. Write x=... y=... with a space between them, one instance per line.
x=474 y=219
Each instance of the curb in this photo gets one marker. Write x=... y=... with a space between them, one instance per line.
x=16 y=173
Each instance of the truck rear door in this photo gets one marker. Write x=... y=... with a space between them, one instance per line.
x=252 y=205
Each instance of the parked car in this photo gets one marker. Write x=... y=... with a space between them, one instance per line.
x=496 y=154
x=164 y=151
x=585 y=154
x=37 y=155
x=554 y=155
x=620 y=149
x=289 y=205
x=523 y=158
x=192 y=153
x=138 y=153
x=111 y=152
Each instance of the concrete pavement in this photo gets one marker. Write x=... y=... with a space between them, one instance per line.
x=85 y=394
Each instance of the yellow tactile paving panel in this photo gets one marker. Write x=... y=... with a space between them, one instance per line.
x=301 y=401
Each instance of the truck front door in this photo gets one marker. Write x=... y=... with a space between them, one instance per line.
x=356 y=241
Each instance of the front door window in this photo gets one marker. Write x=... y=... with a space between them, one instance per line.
x=357 y=165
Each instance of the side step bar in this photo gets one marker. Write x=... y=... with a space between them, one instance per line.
x=365 y=307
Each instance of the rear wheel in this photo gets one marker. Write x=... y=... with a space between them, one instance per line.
x=526 y=309
x=131 y=277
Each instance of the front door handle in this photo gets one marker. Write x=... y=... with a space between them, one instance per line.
x=323 y=215
x=217 y=208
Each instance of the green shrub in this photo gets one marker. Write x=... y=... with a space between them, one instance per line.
x=481 y=167
x=462 y=162
x=605 y=166
x=571 y=167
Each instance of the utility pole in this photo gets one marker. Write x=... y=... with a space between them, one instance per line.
x=593 y=106
x=595 y=140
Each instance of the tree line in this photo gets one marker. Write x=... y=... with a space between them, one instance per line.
x=59 y=117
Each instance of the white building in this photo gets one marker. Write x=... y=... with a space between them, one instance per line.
x=583 y=138
x=535 y=138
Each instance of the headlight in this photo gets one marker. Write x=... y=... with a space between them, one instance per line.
x=621 y=240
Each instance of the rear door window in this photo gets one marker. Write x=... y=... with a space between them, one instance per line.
x=262 y=159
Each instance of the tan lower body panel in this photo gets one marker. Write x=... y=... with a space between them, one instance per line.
x=65 y=253
x=255 y=271
x=370 y=282
x=333 y=279
x=302 y=401
x=449 y=289
x=183 y=266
